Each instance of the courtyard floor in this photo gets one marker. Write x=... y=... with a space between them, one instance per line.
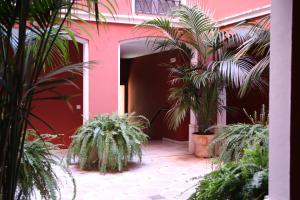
x=167 y=172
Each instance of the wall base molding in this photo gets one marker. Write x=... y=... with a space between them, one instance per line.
x=174 y=141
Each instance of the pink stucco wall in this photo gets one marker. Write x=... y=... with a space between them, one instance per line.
x=103 y=76
x=104 y=45
x=222 y=9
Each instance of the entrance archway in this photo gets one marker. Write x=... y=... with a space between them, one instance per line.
x=144 y=88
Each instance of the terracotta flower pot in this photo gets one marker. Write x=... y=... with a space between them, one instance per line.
x=202 y=143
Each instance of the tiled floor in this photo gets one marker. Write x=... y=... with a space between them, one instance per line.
x=165 y=173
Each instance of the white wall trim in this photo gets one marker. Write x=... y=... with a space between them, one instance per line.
x=85 y=95
x=119 y=19
x=119 y=76
x=138 y=19
x=174 y=141
x=257 y=12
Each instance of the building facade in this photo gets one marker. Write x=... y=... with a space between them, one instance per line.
x=125 y=74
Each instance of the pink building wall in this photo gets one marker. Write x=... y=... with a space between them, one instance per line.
x=104 y=48
x=103 y=76
x=222 y=9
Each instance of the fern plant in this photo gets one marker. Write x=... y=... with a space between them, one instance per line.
x=109 y=142
x=36 y=171
x=244 y=180
x=234 y=138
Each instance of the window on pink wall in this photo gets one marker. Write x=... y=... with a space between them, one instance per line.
x=155 y=7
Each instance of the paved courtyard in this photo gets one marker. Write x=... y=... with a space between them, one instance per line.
x=166 y=173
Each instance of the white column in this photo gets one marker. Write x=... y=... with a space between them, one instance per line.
x=280 y=99
x=86 y=109
x=193 y=126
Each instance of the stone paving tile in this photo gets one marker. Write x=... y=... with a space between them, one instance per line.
x=165 y=173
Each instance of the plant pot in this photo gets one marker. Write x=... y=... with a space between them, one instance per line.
x=201 y=143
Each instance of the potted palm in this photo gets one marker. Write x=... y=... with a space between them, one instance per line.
x=210 y=104
x=204 y=102
x=209 y=65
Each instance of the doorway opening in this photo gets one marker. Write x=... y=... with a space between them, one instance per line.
x=144 y=88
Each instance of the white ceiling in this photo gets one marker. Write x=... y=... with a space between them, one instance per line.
x=136 y=48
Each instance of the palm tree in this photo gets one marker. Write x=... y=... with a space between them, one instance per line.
x=196 y=86
x=257 y=48
x=32 y=34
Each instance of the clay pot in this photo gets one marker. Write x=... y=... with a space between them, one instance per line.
x=202 y=143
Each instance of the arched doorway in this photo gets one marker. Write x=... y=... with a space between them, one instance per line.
x=144 y=87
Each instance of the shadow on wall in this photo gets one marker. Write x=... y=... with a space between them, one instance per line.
x=146 y=91
x=64 y=117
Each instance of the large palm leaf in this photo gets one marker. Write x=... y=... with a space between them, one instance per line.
x=195 y=34
x=257 y=46
x=32 y=34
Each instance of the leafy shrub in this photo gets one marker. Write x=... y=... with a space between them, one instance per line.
x=108 y=142
x=237 y=137
x=244 y=180
x=36 y=172
x=234 y=138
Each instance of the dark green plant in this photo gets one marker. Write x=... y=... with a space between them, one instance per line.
x=244 y=180
x=258 y=118
x=233 y=139
x=185 y=96
x=109 y=142
x=36 y=172
x=256 y=48
x=32 y=34
x=237 y=137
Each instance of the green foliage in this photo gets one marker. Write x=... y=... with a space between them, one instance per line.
x=258 y=118
x=234 y=138
x=109 y=142
x=36 y=174
x=196 y=85
x=33 y=37
x=257 y=48
x=237 y=137
x=204 y=101
x=244 y=180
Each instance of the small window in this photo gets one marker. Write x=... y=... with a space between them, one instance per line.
x=155 y=7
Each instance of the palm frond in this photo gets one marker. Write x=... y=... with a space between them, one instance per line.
x=247 y=179
x=33 y=36
x=37 y=175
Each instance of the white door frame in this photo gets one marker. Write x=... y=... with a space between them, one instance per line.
x=85 y=95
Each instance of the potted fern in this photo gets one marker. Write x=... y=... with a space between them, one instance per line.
x=109 y=142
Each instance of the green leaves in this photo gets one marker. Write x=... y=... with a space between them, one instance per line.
x=109 y=142
x=33 y=54
x=237 y=137
x=244 y=180
x=195 y=86
x=36 y=168
x=242 y=173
